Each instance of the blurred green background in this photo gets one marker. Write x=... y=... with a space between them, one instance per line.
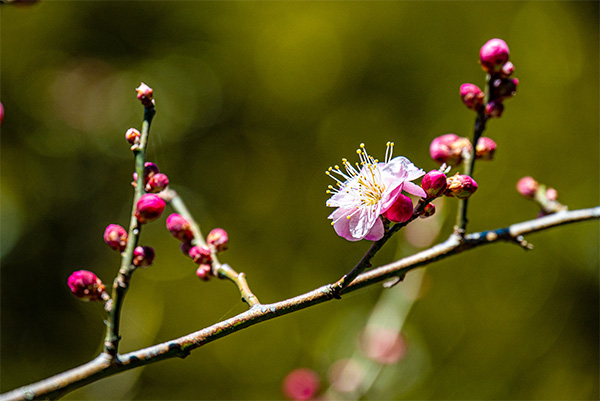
x=254 y=101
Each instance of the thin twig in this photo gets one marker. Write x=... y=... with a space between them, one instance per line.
x=121 y=281
x=222 y=271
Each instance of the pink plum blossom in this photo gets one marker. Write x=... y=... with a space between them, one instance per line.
x=367 y=190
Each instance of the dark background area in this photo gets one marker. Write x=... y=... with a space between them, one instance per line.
x=255 y=100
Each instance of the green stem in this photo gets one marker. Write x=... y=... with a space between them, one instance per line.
x=121 y=281
x=480 y=122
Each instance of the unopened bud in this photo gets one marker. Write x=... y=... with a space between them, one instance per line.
x=204 y=272
x=551 y=194
x=149 y=208
x=149 y=170
x=180 y=228
x=144 y=95
x=301 y=384
x=143 y=256
x=157 y=182
x=485 y=149
x=218 y=239
x=86 y=286
x=401 y=210
x=1 y=113
x=200 y=255
x=450 y=149
x=460 y=186
x=434 y=183
x=493 y=55
x=428 y=211
x=507 y=69
x=115 y=237
x=133 y=136
x=472 y=96
x=494 y=109
x=527 y=187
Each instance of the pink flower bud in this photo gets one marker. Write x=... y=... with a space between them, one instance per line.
x=149 y=208
x=200 y=254
x=218 y=239
x=157 y=183
x=472 y=96
x=86 y=286
x=527 y=187
x=143 y=256
x=180 y=228
x=507 y=69
x=133 y=136
x=301 y=384
x=493 y=54
x=485 y=149
x=115 y=236
x=401 y=210
x=460 y=186
x=449 y=149
x=428 y=211
x=551 y=194
x=144 y=95
x=1 y=113
x=494 y=109
x=434 y=183
x=204 y=272
x=149 y=170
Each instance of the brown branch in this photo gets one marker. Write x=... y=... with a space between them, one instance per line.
x=102 y=366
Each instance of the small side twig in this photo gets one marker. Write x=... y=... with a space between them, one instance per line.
x=223 y=271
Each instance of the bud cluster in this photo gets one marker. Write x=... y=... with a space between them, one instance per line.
x=154 y=180
x=493 y=57
x=546 y=198
x=202 y=255
x=452 y=150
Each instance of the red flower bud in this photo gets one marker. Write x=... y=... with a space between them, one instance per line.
x=428 y=211
x=1 y=113
x=149 y=208
x=144 y=95
x=493 y=54
x=485 y=149
x=401 y=210
x=449 y=149
x=527 y=187
x=460 y=186
x=143 y=256
x=494 y=109
x=218 y=239
x=86 y=286
x=204 y=272
x=200 y=254
x=133 y=136
x=434 y=183
x=115 y=237
x=149 y=170
x=157 y=182
x=180 y=228
x=472 y=96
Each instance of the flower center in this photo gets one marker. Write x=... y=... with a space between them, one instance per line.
x=363 y=182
